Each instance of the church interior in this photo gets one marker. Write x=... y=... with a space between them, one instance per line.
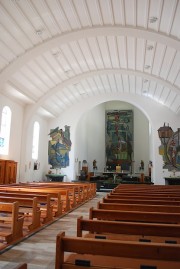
x=89 y=127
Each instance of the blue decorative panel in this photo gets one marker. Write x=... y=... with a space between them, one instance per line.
x=59 y=147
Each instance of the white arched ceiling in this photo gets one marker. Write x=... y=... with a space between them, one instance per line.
x=102 y=47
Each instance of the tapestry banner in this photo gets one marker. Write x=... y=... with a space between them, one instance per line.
x=119 y=137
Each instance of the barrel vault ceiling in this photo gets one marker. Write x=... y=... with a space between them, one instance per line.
x=55 y=53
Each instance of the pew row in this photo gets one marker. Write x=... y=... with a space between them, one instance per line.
x=28 y=207
x=119 y=200
x=76 y=252
x=157 y=196
x=145 y=232
x=68 y=197
x=46 y=201
x=83 y=190
x=78 y=192
x=147 y=191
x=139 y=207
x=9 y=214
x=61 y=196
x=147 y=187
x=137 y=216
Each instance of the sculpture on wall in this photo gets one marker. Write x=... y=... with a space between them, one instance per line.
x=59 y=147
x=170 y=147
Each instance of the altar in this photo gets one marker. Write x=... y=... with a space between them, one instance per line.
x=115 y=174
x=172 y=180
x=55 y=177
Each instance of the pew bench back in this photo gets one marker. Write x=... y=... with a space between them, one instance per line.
x=139 y=216
x=9 y=213
x=97 y=253
x=30 y=210
x=128 y=230
x=139 y=207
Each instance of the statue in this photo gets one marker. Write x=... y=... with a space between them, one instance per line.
x=141 y=165
x=94 y=165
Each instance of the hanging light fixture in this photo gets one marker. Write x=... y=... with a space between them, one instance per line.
x=165 y=133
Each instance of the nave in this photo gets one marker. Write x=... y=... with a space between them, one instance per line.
x=38 y=251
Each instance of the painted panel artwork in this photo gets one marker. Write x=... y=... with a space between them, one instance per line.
x=59 y=147
x=1 y=142
x=171 y=152
x=119 y=138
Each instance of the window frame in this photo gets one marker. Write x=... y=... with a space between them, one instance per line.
x=35 y=140
x=5 y=130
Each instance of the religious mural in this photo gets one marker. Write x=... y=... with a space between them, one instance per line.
x=171 y=152
x=59 y=147
x=119 y=137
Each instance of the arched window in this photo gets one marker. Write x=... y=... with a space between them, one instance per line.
x=5 y=130
x=35 y=145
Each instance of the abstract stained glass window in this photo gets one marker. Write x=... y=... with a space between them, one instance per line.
x=119 y=138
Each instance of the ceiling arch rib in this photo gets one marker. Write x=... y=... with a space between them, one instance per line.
x=77 y=35
x=77 y=79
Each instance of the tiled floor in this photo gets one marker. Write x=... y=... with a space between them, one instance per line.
x=38 y=251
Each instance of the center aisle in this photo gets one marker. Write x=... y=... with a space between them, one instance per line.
x=38 y=251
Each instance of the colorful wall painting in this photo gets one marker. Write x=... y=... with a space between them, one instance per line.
x=171 y=152
x=119 y=138
x=59 y=147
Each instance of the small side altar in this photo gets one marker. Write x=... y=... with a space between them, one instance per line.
x=55 y=177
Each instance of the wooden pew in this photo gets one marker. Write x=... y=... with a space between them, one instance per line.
x=148 y=190
x=146 y=196
x=147 y=201
x=139 y=207
x=9 y=214
x=99 y=253
x=148 y=193
x=148 y=187
x=44 y=200
x=125 y=230
x=83 y=190
x=62 y=194
x=29 y=208
x=68 y=194
x=137 y=216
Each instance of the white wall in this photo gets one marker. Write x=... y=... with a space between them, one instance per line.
x=95 y=121
x=27 y=172
x=154 y=112
x=77 y=117
x=96 y=137
x=141 y=140
x=15 y=132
